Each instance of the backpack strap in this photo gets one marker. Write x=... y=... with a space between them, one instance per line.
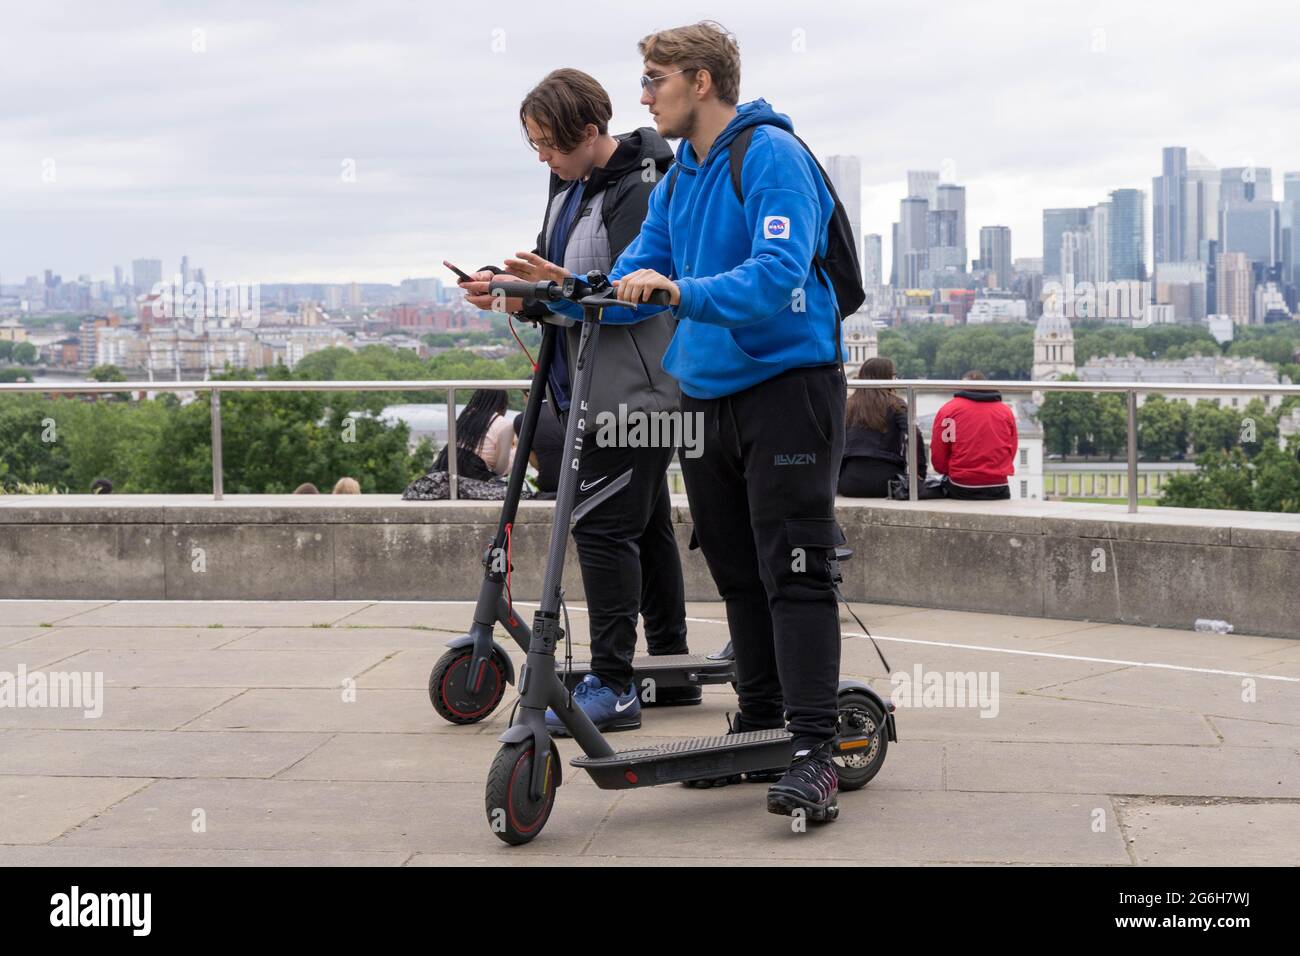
x=736 y=154
x=672 y=181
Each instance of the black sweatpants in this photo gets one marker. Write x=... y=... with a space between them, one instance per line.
x=629 y=558
x=762 y=497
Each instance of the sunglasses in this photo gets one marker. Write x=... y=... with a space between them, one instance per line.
x=649 y=83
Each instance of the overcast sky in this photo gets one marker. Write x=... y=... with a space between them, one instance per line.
x=119 y=139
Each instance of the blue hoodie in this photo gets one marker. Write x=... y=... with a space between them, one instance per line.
x=751 y=304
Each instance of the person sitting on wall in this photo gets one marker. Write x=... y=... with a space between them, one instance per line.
x=974 y=443
x=875 y=439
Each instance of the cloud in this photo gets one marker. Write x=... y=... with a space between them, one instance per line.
x=234 y=153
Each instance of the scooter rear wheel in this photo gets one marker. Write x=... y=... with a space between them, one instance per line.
x=512 y=813
x=860 y=716
x=454 y=701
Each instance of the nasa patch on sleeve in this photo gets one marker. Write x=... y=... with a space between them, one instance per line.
x=776 y=227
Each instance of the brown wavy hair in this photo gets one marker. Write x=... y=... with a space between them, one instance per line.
x=565 y=103
x=872 y=407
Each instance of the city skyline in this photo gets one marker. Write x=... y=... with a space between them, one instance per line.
x=242 y=163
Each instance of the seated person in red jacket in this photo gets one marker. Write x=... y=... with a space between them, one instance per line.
x=974 y=443
x=875 y=437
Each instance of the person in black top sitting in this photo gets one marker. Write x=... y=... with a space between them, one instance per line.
x=548 y=445
x=875 y=442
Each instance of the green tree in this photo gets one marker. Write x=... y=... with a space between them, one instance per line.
x=107 y=373
x=1211 y=428
x=24 y=353
x=1162 y=427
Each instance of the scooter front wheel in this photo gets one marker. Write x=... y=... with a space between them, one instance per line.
x=449 y=691
x=860 y=716
x=512 y=813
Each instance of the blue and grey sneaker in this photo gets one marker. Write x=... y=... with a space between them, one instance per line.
x=608 y=710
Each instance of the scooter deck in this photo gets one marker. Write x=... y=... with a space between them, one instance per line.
x=689 y=759
x=667 y=671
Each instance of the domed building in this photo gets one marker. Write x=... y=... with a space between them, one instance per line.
x=859 y=341
x=1053 y=346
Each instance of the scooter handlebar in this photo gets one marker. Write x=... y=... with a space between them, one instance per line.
x=571 y=289
x=657 y=297
x=513 y=288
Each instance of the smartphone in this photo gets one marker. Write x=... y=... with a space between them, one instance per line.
x=463 y=276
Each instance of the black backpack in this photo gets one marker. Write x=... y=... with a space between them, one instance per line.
x=839 y=268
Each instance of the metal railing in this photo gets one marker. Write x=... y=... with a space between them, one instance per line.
x=911 y=387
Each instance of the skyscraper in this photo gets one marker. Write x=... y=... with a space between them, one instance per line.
x=145 y=274
x=995 y=253
x=1235 y=287
x=910 y=251
x=1169 y=209
x=1127 y=246
x=950 y=197
x=1099 y=243
x=1254 y=229
x=1056 y=222
x=872 y=261
x=923 y=183
x=1201 y=203
x=1291 y=227
x=1076 y=257
x=846 y=175
x=1245 y=184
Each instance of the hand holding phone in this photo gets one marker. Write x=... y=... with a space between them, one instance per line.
x=463 y=276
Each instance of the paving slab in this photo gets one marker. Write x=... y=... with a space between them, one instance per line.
x=38 y=809
x=1212 y=832
x=15 y=613
x=1255 y=733
x=226 y=613
x=338 y=637
x=1125 y=769
x=1165 y=644
x=307 y=710
x=73 y=638
x=72 y=856
x=19 y=633
x=151 y=753
x=226 y=668
x=309 y=815
x=732 y=823
x=1190 y=692
x=1023 y=717
x=125 y=708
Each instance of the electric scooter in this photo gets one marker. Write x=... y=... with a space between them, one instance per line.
x=526 y=772
x=468 y=682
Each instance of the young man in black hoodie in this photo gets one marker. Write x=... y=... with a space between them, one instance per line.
x=600 y=187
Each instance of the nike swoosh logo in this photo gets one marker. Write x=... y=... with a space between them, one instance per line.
x=619 y=708
x=587 y=487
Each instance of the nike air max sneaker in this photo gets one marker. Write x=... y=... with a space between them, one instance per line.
x=810 y=786
x=607 y=709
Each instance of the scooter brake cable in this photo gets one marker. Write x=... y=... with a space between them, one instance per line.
x=840 y=595
x=568 y=650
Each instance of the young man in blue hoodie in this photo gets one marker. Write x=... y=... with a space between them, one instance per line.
x=755 y=353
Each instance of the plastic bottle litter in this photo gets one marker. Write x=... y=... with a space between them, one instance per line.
x=1207 y=626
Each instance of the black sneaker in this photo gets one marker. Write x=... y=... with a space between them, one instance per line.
x=810 y=785
x=676 y=696
x=753 y=776
x=728 y=653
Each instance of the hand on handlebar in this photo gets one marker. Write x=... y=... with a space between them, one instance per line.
x=636 y=287
x=531 y=267
x=477 y=294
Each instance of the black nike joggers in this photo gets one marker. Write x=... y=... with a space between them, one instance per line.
x=762 y=497
x=629 y=558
